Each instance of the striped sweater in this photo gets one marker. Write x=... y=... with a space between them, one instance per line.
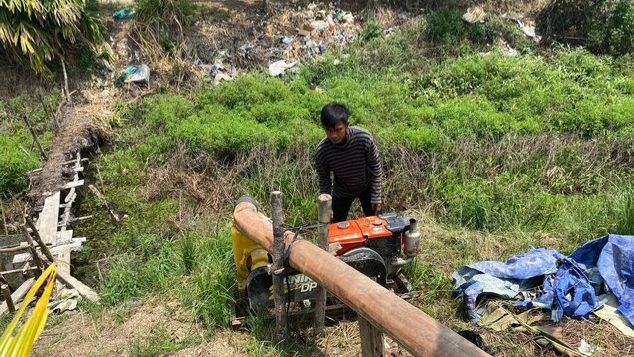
x=354 y=164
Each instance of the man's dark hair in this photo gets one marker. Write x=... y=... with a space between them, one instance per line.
x=332 y=113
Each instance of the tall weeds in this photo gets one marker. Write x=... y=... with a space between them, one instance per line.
x=626 y=220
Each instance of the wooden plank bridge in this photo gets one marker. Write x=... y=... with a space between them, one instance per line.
x=46 y=239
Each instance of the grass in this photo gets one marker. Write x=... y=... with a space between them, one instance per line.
x=477 y=146
x=493 y=154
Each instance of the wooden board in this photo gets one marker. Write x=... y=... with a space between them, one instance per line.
x=83 y=290
x=74 y=245
x=47 y=222
x=73 y=184
x=64 y=237
x=62 y=260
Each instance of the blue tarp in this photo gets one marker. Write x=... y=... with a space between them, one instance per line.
x=567 y=285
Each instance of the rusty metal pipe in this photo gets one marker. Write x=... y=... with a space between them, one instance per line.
x=420 y=334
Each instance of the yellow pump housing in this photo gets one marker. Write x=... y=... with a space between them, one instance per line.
x=247 y=256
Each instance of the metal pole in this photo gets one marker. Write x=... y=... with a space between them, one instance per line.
x=416 y=331
x=325 y=205
x=278 y=265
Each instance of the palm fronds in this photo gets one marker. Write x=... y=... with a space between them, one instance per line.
x=43 y=31
x=19 y=343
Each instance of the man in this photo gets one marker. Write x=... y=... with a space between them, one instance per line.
x=350 y=153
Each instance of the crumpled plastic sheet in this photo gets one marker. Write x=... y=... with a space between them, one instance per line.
x=570 y=285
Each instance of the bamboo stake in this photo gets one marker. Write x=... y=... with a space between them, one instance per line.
x=325 y=204
x=278 y=265
x=28 y=124
x=109 y=207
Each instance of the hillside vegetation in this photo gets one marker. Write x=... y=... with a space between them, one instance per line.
x=494 y=153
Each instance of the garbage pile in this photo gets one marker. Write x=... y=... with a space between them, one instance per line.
x=287 y=39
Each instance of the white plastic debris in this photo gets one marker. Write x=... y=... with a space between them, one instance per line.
x=277 y=68
x=528 y=29
x=474 y=14
x=319 y=25
x=586 y=348
x=141 y=74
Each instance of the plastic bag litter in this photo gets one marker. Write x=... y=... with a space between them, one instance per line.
x=140 y=74
x=123 y=14
x=277 y=68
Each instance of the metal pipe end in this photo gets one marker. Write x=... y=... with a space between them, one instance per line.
x=248 y=199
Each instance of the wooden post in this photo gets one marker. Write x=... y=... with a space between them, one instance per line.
x=325 y=205
x=277 y=213
x=17 y=295
x=34 y=253
x=28 y=124
x=40 y=242
x=4 y=220
x=371 y=339
x=7 y=297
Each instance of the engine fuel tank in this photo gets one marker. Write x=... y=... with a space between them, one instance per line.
x=356 y=232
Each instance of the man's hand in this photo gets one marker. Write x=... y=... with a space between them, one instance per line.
x=377 y=208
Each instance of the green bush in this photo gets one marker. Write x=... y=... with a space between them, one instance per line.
x=465 y=117
x=444 y=26
x=15 y=163
x=482 y=34
x=605 y=26
x=612 y=27
x=221 y=132
x=371 y=30
x=166 y=111
x=246 y=92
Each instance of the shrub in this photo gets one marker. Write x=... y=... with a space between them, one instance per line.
x=612 y=27
x=246 y=92
x=371 y=30
x=15 y=163
x=444 y=26
x=472 y=116
x=221 y=132
x=605 y=26
x=165 y=111
x=482 y=34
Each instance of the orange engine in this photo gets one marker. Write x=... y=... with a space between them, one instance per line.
x=354 y=233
